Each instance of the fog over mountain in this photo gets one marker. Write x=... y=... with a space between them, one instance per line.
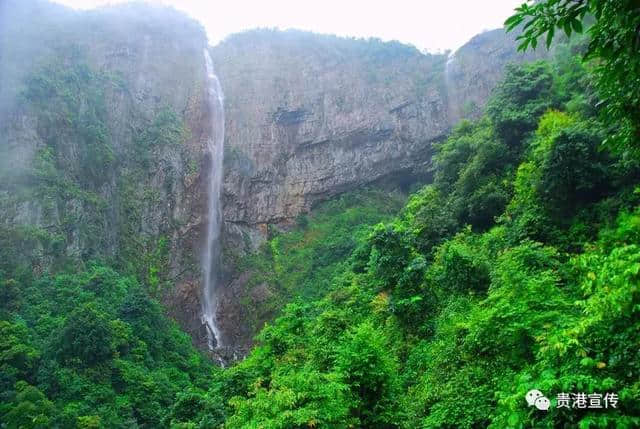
x=431 y=27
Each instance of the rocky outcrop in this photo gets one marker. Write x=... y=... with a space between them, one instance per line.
x=311 y=116
x=477 y=67
x=103 y=128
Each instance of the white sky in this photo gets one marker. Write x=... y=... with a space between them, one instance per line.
x=434 y=25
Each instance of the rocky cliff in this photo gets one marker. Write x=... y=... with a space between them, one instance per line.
x=311 y=116
x=104 y=122
x=476 y=68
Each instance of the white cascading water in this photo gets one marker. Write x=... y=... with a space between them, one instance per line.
x=211 y=257
x=447 y=67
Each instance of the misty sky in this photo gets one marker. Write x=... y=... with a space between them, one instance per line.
x=434 y=25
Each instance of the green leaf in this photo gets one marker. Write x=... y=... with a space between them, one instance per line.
x=577 y=26
x=550 y=37
x=529 y=24
x=513 y=21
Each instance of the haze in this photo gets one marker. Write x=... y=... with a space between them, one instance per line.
x=434 y=26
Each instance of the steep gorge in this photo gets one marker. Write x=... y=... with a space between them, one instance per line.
x=105 y=128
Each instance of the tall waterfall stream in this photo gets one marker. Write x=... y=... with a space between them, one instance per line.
x=211 y=258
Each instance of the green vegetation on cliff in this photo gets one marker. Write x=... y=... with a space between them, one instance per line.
x=301 y=263
x=90 y=349
x=84 y=186
x=518 y=268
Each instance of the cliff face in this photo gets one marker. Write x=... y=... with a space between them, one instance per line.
x=311 y=116
x=477 y=67
x=103 y=122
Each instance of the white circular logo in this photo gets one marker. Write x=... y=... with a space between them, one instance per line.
x=535 y=398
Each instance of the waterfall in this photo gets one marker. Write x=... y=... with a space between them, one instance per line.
x=450 y=89
x=211 y=257
x=447 y=67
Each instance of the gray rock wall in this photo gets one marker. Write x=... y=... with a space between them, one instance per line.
x=311 y=116
x=132 y=77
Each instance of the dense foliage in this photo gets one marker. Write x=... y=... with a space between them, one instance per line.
x=90 y=349
x=82 y=341
x=518 y=268
x=613 y=45
x=302 y=262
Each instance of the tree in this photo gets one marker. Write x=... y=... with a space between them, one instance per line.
x=30 y=409
x=469 y=166
x=614 y=42
x=196 y=407
x=86 y=337
x=303 y=398
x=371 y=372
x=390 y=253
x=459 y=267
x=411 y=301
x=17 y=357
x=429 y=218
x=9 y=295
x=572 y=171
x=519 y=100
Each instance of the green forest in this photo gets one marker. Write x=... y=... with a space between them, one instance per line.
x=516 y=268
